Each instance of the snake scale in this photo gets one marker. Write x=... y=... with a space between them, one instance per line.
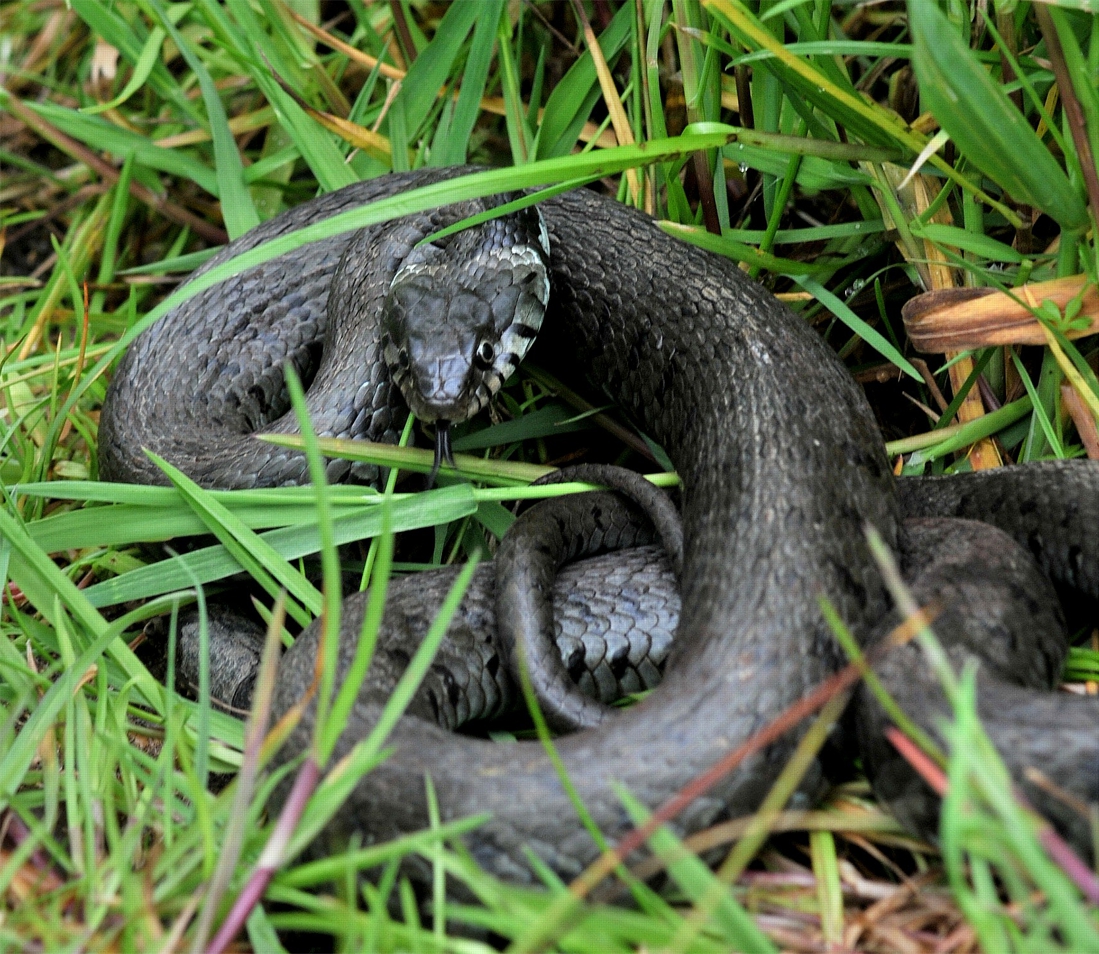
x=782 y=467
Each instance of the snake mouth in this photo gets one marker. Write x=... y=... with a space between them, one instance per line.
x=443 y=453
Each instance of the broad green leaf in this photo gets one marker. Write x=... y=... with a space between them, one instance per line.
x=549 y=420
x=983 y=123
x=133 y=521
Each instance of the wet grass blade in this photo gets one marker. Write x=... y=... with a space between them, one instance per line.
x=983 y=123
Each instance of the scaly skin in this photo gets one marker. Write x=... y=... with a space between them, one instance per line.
x=782 y=467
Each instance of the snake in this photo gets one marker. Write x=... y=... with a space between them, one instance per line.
x=782 y=469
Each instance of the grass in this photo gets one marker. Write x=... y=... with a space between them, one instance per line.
x=134 y=136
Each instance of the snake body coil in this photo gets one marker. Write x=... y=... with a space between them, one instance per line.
x=782 y=467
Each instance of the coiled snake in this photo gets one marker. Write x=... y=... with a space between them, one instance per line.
x=782 y=468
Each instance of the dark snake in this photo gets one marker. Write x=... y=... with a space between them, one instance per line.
x=782 y=468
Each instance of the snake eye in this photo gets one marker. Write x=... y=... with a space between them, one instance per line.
x=485 y=353
x=402 y=357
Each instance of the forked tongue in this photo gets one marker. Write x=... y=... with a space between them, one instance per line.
x=442 y=451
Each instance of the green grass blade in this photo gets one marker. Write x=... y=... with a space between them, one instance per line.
x=983 y=122
x=452 y=143
x=699 y=883
x=432 y=67
x=46 y=586
x=475 y=185
x=215 y=563
x=236 y=203
x=572 y=100
x=871 y=336
x=261 y=560
x=130 y=39
x=150 y=54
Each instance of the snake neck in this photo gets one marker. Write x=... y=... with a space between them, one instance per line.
x=776 y=479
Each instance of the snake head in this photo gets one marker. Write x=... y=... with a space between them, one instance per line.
x=462 y=312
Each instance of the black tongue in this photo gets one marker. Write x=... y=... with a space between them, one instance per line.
x=442 y=451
